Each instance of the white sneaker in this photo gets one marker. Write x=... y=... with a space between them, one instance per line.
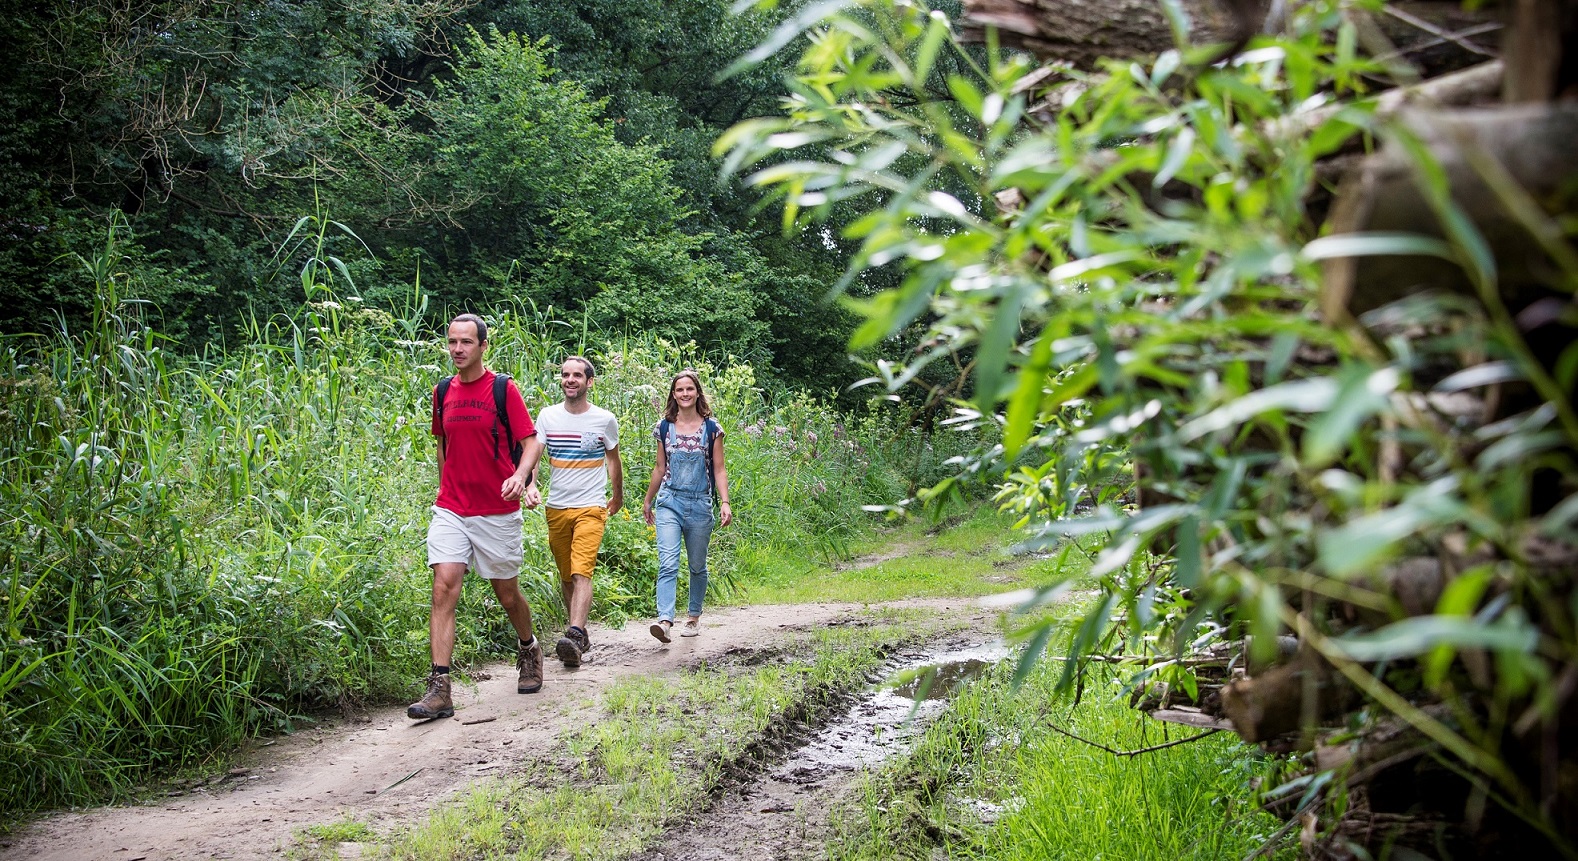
x=659 y=629
x=691 y=628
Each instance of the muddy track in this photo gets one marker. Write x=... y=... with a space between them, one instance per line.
x=385 y=770
x=778 y=801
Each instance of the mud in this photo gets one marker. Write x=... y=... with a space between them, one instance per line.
x=784 y=811
x=385 y=770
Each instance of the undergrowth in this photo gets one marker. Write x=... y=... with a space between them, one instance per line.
x=198 y=548
x=991 y=780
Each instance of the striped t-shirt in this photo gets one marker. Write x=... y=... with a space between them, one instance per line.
x=577 y=446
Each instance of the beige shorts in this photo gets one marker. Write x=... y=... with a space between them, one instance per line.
x=489 y=543
x=574 y=534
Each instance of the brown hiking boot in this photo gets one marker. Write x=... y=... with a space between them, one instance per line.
x=572 y=647
x=436 y=702
x=529 y=661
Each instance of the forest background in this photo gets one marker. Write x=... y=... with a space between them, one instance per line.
x=556 y=154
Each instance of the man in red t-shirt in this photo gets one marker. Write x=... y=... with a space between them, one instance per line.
x=477 y=517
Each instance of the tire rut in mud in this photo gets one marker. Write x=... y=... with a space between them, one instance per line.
x=774 y=800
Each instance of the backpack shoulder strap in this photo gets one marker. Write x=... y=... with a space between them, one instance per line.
x=440 y=392
x=664 y=426
x=499 y=381
x=709 y=435
x=501 y=415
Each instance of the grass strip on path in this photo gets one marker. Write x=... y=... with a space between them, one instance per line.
x=655 y=749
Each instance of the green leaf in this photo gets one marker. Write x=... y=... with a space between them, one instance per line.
x=1166 y=63
x=783 y=35
x=1377 y=244
x=1487 y=374
x=1460 y=598
x=1085 y=637
x=1361 y=394
x=926 y=55
x=1305 y=396
x=1032 y=653
x=1411 y=637
x=967 y=95
x=1024 y=403
x=1264 y=622
x=1187 y=557
x=1178 y=152
x=1361 y=544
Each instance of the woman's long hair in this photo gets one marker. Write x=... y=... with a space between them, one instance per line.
x=703 y=409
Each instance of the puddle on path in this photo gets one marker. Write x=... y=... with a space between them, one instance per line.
x=783 y=813
x=883 y=723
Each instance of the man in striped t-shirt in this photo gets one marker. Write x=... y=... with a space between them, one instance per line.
x=582 y=441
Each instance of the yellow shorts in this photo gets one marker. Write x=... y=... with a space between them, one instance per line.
x=574 y=534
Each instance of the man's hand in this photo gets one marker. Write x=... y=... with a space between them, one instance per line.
x=616 y=502
x=512 y=487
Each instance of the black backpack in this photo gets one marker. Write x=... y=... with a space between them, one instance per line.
x=501 y=415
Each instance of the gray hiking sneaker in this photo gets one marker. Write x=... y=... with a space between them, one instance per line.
x=572 y=647
x=436 y=702
x=529 y=661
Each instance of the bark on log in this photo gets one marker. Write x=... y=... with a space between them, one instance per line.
x=1532 y=144
x=1285 y=699
x=1083 y=31
x=1434 y=35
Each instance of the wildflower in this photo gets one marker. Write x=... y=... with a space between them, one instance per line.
x=753 y=430
x=810 y=436
x=780 y=430
x=838 y=431
x=819 y=488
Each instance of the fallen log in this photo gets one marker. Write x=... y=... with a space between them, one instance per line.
x=1434 y=37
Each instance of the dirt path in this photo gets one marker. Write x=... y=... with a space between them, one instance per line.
x=386 y=769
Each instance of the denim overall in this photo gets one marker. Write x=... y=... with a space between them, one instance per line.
x=683 y=509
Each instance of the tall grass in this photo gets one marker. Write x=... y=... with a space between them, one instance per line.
x=194 y=549
x=990 y=780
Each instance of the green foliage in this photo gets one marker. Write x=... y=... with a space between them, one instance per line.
x=989 y=781
x=1142 y=325
x=506 y=150
x=197 y=549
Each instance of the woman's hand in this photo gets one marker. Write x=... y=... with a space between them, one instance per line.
x=725 y=514
x=646 y=513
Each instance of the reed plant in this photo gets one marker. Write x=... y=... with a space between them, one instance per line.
x=195 y=548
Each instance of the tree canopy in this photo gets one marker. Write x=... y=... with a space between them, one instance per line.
x=494 y=152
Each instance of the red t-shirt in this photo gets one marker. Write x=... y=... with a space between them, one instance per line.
x=473 y=475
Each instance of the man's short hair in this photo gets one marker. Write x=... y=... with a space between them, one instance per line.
x=482 y=327
x=585 y=363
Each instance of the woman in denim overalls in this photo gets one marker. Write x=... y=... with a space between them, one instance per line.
x=682 y=485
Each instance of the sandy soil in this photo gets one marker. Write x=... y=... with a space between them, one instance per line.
x=384 y=768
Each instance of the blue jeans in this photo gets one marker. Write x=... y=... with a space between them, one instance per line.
x=687 y=516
